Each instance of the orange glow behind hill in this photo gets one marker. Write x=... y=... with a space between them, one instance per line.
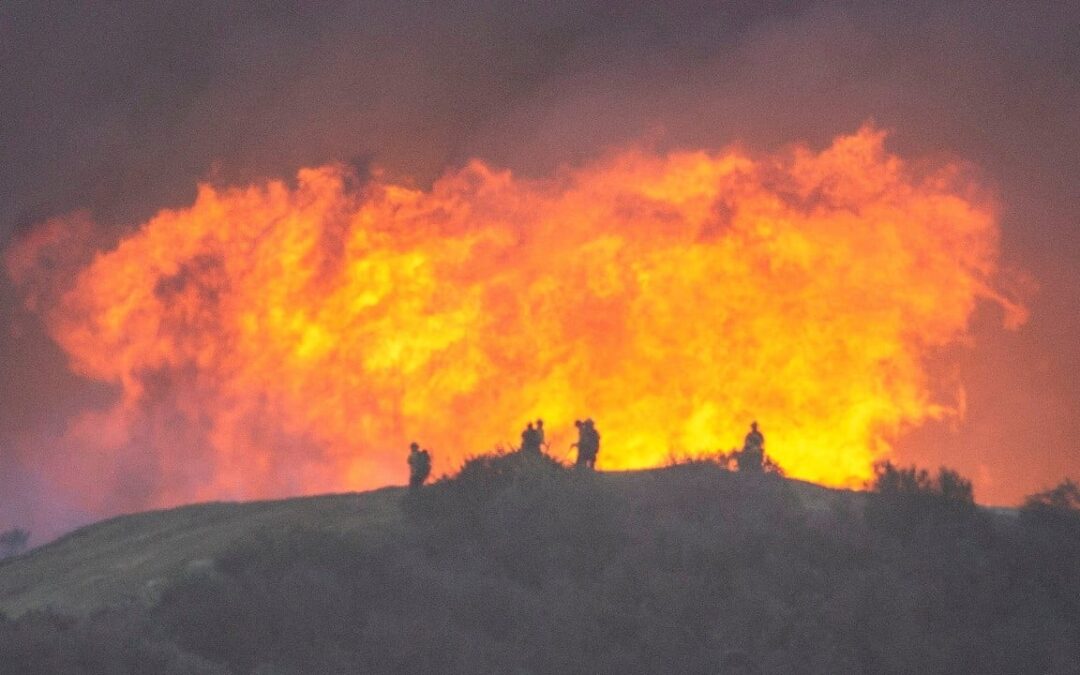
x=276 y=339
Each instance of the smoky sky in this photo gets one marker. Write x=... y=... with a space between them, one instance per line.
x=121 y=108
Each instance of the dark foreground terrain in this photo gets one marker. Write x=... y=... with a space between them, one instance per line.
x=519 y=565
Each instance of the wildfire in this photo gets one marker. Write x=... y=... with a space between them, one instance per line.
x=293 y=338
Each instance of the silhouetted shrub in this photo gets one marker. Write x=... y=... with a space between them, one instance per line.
x=954 y=488
x=483 y=476
x=1065 y=497
x=912 y=484
x=911 y=502
x=707 y=459
x=732 y=460
x=895 y=481
x=453 y=506
x=1050 y=540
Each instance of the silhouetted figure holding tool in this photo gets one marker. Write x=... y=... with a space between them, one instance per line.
x=582 y=445
x=588 y=445
x=419 y=466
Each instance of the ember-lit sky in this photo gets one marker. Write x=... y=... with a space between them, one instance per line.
x=122 y=108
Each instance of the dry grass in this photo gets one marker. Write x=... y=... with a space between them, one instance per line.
x=129 y=558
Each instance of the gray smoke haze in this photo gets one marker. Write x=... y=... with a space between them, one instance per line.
x=122 y=107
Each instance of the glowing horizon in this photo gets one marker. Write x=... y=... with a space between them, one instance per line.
x=277 y=339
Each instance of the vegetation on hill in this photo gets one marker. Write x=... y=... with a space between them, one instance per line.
x=518 y=564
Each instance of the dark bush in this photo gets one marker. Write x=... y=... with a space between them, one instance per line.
x=1064 y=498
x=911 y=482
x=910 y=500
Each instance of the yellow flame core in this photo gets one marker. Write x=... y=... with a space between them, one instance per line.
x=671 y=298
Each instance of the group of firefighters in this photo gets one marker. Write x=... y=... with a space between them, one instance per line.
x=588 y=447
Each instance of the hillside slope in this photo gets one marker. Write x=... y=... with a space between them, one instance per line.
x=131 y=557
x=518 y=565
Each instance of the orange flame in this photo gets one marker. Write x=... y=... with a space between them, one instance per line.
x=306 y=333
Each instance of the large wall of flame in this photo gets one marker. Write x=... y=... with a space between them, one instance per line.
x=286 y=338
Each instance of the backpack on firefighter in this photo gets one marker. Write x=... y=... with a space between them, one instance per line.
x=588 y=445
x=419 y=466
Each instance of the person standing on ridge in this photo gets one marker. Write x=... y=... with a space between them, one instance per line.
x=539 y=435
x=588 y=444
x=419 y=466
x=754 y=439
x=529 y=440
x=581 y=445
x=753 y=453
x=594 y=443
